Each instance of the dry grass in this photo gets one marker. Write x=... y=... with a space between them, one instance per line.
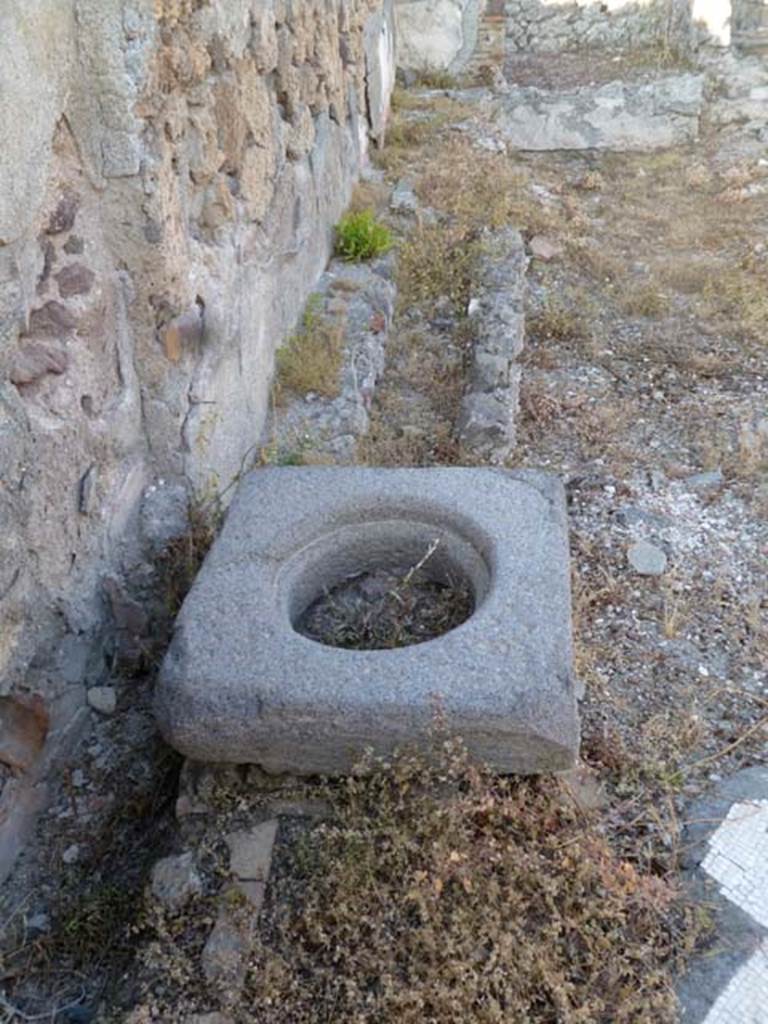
x=440 y=892
x=436 y=891
x=476 y=188
x=642 y=298
x=561 y=319
x=311 y=358
x=438 y=262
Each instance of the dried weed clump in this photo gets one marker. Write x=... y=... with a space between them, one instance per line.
x=442 y=893
x=438 y=262
x=311 y=358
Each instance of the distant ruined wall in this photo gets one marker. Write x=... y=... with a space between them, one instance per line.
x=467 y=35
x=171 y=171
x=554 y=26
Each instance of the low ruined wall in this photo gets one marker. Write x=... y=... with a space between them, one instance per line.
x=552 y=26
x=172 y=170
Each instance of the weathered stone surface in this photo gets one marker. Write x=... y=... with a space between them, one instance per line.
x=486 y=424
x=619 y=116
x=358 y=300
x=164 y=514
x=711 y=480
x=239 y=684
x=74 y=279
x=436 y=34
x=51 y=320
x=543 y=248
x=199 y=173
x=175 y=880
x=536 y=27
x=63 y=217
x=33 y=360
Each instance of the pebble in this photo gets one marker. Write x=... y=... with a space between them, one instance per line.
x=545 y=249
x=39 y=923
x=709 y=481
x=175 y=879
x=103 y=699
x=647 y=559
x=71 y=854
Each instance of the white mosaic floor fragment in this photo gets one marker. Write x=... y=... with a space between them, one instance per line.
x=744 y=1000
x=738 y=858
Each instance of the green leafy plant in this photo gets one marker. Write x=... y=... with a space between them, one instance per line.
x=359 y=236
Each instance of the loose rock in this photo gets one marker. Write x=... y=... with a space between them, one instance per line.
x=175 y=879
x=103 y=699
x=647 y=559
x=709 y=481
x=71 y=855
x=250 y=852
x=543 y=248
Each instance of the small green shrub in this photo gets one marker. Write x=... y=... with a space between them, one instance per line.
x=359 y=236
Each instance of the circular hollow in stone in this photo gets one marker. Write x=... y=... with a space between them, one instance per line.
x=386 y=584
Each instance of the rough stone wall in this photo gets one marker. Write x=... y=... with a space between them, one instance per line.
x=171 y=173
x=437 y=35
x=538 y=26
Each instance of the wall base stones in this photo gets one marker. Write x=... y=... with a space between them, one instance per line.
x=488 y=410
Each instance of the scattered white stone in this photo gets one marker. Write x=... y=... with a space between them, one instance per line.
x=647 y=559
x=545 y=249
x=709 y=481
x=71 y=855
x=403 y=198
x=175 y=880
x=103 y=699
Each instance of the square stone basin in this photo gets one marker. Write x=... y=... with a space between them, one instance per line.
x=242 y=681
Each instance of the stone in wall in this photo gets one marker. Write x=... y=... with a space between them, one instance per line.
x=437 y=35
x=172 y=173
